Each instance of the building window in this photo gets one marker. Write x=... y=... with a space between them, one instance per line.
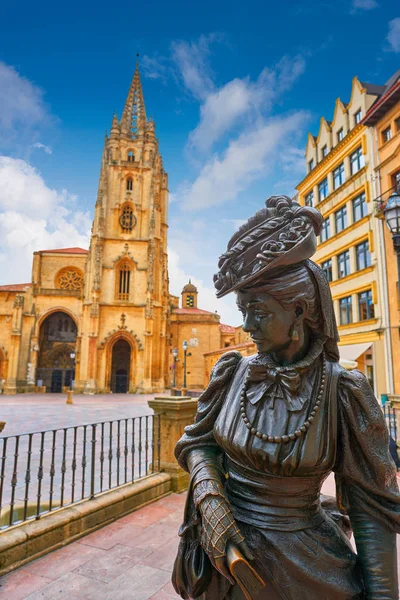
x=396 y=181
x=356 y=161
x=311 y=165
x=324 y=151
x=325 y=230
x=365 y=306
x=190 y=301
x=338 y=176
x=397 y=124
x=345 y=310
x=340 y=135
x=360 y=209
x=131 y=156
x=309 y=199
x=343 y=264
x=341 y=219
x=129 y=184
x=357 y=117
x=386 y=134
x=323 y=189
x=363 y=256
x=327 y=269
x=124 y=282
x=127 y=219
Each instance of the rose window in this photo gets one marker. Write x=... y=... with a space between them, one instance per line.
x=127 y=219
x=70 y=279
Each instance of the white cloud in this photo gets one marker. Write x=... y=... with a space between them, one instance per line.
x=46 y=149
x=225 y=307
x=363 y=5
x=22 y=108
x=224 y=107
x=393 y=36
x=154 y=67
x=250 y=156
x=34 y=217
x=191 y=61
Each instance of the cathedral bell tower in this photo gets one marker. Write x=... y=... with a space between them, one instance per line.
x=126 y=281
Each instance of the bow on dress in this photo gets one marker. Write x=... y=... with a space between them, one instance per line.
x=274 y=384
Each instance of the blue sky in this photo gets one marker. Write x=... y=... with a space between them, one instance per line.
x=234 y=88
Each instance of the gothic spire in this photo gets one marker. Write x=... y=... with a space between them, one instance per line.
x=134 y=116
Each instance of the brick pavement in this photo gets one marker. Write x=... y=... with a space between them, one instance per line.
x=130 y=559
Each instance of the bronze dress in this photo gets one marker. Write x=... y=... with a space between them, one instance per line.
x=274 y=489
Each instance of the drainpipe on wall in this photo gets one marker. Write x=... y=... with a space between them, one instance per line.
x=382 y=270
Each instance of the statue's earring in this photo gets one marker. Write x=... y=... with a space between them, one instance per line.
x=295 y=334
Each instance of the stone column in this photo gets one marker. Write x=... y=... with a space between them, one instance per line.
x=175 y=413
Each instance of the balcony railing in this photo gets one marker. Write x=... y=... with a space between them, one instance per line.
x=381 y=201
x=48 y=470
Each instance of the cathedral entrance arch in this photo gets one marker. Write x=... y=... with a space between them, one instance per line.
x=120 y=367
x=57 y=343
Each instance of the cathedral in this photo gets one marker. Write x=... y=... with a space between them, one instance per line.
x=100 y=316
x=102 y=320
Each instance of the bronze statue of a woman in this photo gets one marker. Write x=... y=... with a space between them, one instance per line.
x=269 y=430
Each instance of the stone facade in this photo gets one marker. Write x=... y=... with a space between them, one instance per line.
x=203 y=333
x=100 y=316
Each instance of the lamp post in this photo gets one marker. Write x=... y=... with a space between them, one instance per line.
x=69 y=393
x=392 y=218
x=185 y=347
x=72 y=356
x=175 y=354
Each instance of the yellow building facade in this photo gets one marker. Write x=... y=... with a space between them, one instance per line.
x=100 y=317
x=340 y=168
x=383 y=122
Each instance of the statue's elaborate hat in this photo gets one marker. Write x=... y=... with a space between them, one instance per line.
x=282 y=234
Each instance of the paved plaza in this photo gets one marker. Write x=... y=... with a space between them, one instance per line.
x=130 y=559
x=25 y=413
x=48 y=470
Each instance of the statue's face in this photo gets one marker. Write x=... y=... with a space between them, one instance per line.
x=268 y=323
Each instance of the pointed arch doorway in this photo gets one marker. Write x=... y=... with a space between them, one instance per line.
x=57 y=343
x=120 y=367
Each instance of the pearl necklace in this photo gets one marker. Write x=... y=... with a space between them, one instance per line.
x=277 y=439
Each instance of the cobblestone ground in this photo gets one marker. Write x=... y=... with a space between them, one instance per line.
x=44 y=470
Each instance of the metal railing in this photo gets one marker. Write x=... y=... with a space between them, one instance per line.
x=391 y=420
x=48 y=470
x=381 y=201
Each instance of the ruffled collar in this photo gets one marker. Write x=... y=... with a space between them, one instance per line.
x=300 y=366
x=277 y=382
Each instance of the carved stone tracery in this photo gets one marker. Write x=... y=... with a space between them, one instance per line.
x=70 y=278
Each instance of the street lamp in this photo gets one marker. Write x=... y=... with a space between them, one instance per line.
x=392 y=218
x=175 y=354
x=185 y=347
x=72 y=356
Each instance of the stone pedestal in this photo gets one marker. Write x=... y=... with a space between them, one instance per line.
x=175 y=414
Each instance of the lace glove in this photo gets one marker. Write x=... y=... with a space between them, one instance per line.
x=219 y=525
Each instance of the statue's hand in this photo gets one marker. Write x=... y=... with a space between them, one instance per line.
x=219 y=528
